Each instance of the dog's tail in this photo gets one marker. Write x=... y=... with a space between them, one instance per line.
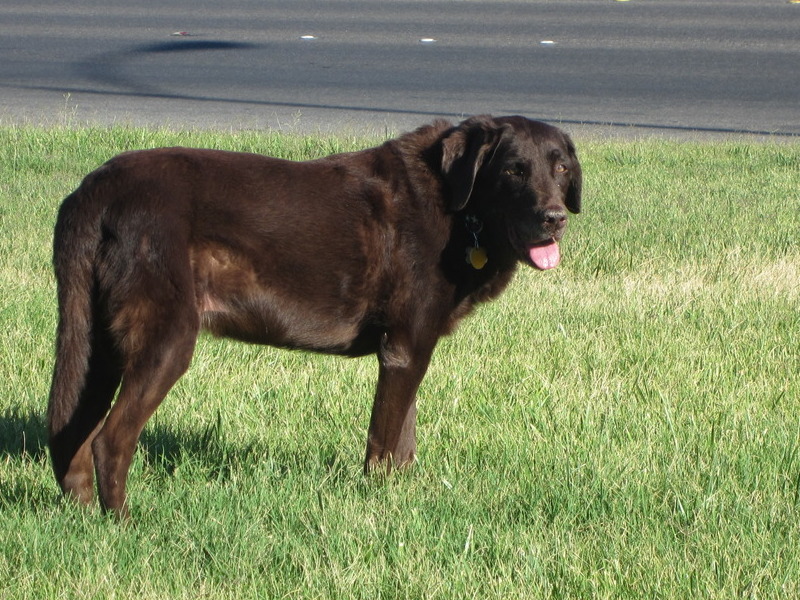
x=75 y=245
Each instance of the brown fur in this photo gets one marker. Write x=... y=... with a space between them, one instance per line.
x=351 y=254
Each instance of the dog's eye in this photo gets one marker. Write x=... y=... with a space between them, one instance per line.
x=515 y=171
x=561 y=168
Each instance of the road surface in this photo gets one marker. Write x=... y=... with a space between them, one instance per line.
x=665 y=67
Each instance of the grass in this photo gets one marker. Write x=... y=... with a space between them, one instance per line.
x=626 y=426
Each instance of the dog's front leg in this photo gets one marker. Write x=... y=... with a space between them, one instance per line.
x=392 y=440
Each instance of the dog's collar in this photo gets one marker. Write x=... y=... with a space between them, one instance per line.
x=475 y=254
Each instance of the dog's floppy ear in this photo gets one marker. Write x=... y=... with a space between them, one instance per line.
x=573 y=199
x=464 y=151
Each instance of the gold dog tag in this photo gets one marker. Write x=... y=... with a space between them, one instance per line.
x=476 y=256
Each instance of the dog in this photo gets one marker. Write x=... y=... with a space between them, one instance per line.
x=380 y=251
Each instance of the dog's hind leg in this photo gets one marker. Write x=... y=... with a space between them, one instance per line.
x=163 y=355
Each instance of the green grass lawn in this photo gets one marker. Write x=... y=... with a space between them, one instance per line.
x=625 y=426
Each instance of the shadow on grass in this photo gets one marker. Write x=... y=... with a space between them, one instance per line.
x=210 y=452
x=23 y=446
x=23 y=434
x=168 y=449
x=205 y=454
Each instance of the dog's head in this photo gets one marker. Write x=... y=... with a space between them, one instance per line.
x=519 y=177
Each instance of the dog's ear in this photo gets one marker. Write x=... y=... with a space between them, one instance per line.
x=464 y=151
x=573 y=199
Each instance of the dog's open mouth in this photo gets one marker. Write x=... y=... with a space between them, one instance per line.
x=545 y=255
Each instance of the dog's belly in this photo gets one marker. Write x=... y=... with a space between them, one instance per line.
x=324 y=315
x=289 y=323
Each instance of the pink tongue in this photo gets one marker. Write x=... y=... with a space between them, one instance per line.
x=545 y=255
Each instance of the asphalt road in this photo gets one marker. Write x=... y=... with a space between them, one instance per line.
x=663 y=67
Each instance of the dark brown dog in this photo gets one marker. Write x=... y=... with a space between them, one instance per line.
x=379 y=251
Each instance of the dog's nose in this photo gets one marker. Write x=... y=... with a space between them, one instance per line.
x=555 y=219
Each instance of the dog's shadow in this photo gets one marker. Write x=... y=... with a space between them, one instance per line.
x=165 y=449
x=26 y=479
x=214 y=457
x=23 y=453
x=23 y=435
